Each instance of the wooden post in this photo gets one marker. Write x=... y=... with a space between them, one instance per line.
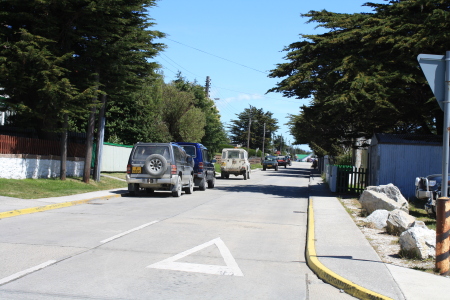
x=442 y=235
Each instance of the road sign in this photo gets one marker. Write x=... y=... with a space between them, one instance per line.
x=433 y=66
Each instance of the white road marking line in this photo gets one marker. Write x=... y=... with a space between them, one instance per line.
x=231 y=267
x=127 y=232
x=25 y=272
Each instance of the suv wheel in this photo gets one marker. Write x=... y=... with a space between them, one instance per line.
x=155 y=165
x=245 y=175
x=176 y=189
x=132 y=190
x=212 y=182
x=248 y=175
x=202 y=185
x=190 y=188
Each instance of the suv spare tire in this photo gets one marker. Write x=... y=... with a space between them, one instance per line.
x=155 y=165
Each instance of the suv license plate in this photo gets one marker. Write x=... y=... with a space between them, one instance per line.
x=136 y=170
x=269 y=166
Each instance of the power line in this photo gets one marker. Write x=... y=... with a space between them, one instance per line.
x=242 y=65
x=177 y=64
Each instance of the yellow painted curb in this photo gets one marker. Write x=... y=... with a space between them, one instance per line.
x=326 y=274
x=32 y=210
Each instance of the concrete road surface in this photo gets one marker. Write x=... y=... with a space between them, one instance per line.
x=243 y=239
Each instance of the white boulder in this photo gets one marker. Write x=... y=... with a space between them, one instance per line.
x=418 y=242
x=398 y=221
x=371 y=201
x=393 y=193
x=378 y=218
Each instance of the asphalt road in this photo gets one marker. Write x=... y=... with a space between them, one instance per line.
x=243 y=239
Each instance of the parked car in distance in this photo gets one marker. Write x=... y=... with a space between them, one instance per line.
x=289 y=161
x=429 y=189
x=282 y=161
x=234 y=162
x=204 y=172
x=270 y=162
x=160 y=166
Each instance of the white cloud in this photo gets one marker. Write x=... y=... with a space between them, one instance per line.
x=241 y=97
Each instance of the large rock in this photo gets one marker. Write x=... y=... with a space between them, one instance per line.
x=398 y=222
x=378 y=218
x=393 y=193
x=418 y=242
x=371 y=201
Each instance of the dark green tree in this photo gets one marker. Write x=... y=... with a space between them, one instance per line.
x=136 y=117
x=239 y=128
x=214 y=130
x=362 y=74
x=184 y=121
x=105 y=47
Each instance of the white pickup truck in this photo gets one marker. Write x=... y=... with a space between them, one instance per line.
x=235 y=162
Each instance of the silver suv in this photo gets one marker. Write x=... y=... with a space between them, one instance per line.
x=160 y=166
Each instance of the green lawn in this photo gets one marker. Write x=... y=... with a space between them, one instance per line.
x=54 y=187
x=416 y=210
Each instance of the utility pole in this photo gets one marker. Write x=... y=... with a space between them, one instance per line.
x=248 y=136
x=264 y=139
x=207 y=86
x=249 y=126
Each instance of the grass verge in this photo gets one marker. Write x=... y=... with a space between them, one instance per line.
x=417 y=211
x=54 y=187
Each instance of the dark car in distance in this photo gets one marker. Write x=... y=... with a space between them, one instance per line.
x=289 y=160
x=204 y=172
x=282 y=161
x=270 y=162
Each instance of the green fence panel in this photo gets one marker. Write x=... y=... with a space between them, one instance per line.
x=351 y=180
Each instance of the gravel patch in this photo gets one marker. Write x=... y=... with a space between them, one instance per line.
x=386 y=245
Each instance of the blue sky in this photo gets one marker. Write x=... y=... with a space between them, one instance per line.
x=236 y=43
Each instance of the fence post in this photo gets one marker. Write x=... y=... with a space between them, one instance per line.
x=442 y=235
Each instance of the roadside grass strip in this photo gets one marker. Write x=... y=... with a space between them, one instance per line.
x=326 y=274
x=18 y=212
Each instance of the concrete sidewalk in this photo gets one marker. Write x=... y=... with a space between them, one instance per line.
x=339 y=253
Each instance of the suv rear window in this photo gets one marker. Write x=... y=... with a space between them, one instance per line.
x=233 y=154
x=190 y=150
x=142 y=152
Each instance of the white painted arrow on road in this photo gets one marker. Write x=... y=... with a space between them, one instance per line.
x=230 y=269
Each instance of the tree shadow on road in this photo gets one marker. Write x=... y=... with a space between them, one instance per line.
x=275 y=190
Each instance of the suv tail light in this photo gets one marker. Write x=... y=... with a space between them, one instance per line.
x=173 y=170
x=128 y=169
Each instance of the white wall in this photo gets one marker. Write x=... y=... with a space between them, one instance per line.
x=18 y=166
x=115 y=158
x=21 y=166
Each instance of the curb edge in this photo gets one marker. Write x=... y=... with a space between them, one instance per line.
x=18 y=212
x=326 y=274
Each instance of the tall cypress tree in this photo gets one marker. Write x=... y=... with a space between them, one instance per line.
x=88 y=46
x=362 y=74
